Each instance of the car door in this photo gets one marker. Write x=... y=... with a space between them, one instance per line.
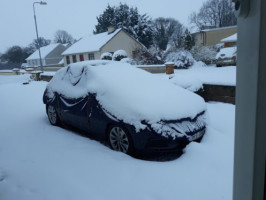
x=74 y=112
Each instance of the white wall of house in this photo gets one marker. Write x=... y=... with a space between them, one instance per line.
x=35 y=62
x=120 y=41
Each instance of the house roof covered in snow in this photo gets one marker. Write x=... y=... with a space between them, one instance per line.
x=232 y=38
x=44 y=51
x=216 y=29
x=91 y=43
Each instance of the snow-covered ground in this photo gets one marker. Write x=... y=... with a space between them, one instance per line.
x=205 y=74
x=42 y=162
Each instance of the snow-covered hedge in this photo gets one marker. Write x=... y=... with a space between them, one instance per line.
x=204 y=54
x=106 y=56
x=119 y=54
x=181 y=58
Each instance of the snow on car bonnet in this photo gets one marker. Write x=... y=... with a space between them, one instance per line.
x=130 y=94
x=226 y=52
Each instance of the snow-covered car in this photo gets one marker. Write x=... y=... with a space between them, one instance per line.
x=131 y=109
x=226 y=56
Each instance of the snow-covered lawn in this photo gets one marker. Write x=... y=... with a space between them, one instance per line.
x=205 y=74
x=39 y=161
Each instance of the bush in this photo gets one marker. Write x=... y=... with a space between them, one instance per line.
x=147 y=57
x=204 y=54
x=181 y=58
x=106 y=56
x=128 y=60
x=119 y=54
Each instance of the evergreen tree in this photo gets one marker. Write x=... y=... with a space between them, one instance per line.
x=188 y=40
x=16 y=54
x=105 y=19
x=122 y=16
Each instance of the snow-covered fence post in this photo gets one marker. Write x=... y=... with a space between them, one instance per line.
x=15 y=71
x=36 y=75
x=169 y=67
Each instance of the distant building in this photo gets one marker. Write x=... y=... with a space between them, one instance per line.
x=51 y=55
x=91 y=47
x=230 y=41
x=213 y=36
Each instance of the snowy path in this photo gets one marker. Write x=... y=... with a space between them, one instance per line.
x=42 y=162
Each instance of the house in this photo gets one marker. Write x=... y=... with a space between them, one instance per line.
x=213 y=36
x=50 y=54
x=91 y=47
x=230 y=41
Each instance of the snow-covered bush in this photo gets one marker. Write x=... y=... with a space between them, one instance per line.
x=106 y=56
x=144 y=56
x=204 y=54
x=119 y=54
x=128 y=60
x=181 y=58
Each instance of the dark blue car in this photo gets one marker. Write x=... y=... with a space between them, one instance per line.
x=89 y=115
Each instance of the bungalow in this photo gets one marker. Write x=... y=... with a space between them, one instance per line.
x=51 y=55
x=91 y=47
x=230 y=41
x=213 y=36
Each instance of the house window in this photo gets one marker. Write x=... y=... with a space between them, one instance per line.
x=91 y=56
x=67 y=59
x=81 y=57
x=74 y=58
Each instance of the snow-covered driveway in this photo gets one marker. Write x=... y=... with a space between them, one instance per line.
x=42 y=162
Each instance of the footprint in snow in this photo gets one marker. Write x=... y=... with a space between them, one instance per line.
x=2 y=176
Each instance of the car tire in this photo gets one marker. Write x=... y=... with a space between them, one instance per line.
x=120 y=140
x=52 y=115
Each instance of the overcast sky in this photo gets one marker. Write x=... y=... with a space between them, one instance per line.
x=77 y=17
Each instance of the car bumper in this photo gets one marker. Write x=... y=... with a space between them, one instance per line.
x=225 y=62
x=146 y=142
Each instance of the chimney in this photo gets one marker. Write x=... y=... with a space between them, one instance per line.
x=110 y=28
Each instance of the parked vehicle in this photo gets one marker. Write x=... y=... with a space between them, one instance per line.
x=131 y=109
x=226 y=57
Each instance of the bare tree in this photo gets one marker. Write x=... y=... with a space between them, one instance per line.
x=167 y=31
x=217 y=13
x=63 y=37
x=42 y=42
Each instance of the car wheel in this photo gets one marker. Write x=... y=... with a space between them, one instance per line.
x=52 y=115
x=119 y=140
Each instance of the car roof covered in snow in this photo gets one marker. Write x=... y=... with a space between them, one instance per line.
x=129 y=93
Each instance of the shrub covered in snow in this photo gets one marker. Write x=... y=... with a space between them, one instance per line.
x=106 y=56
x=119 y=54
x=147 y=57
x=204 y=54
x=181 y=58
x=128 y=60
